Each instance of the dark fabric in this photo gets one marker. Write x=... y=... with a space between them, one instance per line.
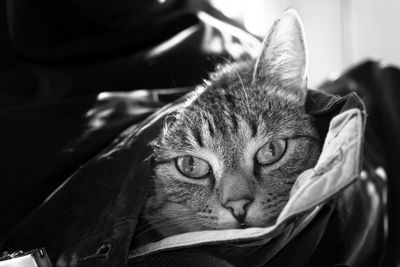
x=82 y=30
x=47 y=92
x=378 y=85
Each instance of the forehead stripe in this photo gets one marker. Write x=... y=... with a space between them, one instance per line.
x=254 y=127
x=210 y=128
x=197 y=136
x=234 y=122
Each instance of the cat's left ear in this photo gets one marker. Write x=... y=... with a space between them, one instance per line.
x=283 y=55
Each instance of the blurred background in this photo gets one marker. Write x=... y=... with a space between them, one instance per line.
x=339 y=33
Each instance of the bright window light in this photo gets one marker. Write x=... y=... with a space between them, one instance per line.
x=256 y=16
x=231 y=8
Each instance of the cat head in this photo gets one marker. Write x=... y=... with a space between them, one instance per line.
x=229 y=156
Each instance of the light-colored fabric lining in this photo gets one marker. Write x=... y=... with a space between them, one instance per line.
x=337 y=167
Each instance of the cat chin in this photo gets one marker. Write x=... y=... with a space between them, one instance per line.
x=177 y=229
x=265 y=222
x=228 y=225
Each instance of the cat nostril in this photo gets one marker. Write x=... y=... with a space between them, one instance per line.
x=238 y=208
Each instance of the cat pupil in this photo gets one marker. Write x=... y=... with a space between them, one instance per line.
x=191 y=164
x=272 y=149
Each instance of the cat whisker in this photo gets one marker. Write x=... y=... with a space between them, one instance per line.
x=164 y=220
x=227 y=60
x=171 y=115
x=187 y=117
x=180 y=214
x=244 y=90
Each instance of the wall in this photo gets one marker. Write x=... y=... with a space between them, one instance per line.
x=342 y=33
x=339 y=33
x=375 y=30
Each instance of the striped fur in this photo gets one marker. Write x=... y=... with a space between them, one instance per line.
x=225 y=122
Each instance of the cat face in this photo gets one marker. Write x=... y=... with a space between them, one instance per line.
x=229 y=157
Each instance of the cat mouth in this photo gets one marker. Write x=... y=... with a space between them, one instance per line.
x=255 y=223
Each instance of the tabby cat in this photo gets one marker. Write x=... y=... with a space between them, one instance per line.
x=229 y=157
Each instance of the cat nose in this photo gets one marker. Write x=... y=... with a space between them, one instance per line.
x=238 y=208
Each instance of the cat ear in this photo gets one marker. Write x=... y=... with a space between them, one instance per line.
x=283 y=55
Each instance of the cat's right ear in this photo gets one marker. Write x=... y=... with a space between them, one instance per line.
x=283 y=56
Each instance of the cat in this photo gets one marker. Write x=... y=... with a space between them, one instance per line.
x=229 y=157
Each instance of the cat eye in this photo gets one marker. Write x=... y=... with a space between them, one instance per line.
x=271 y=152
x=192 y=167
